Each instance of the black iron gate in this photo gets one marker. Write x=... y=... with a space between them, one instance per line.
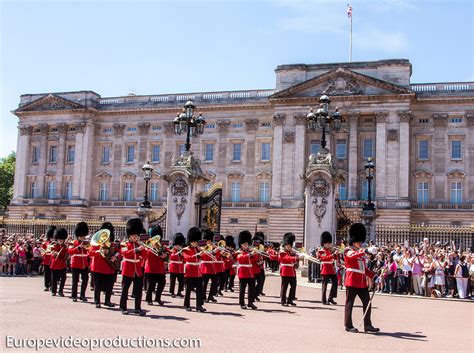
x=210 y=205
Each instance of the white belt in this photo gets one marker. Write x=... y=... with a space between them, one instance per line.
x=176 y=262
x=131 y=260
x=244 y=265
x=288 y=265
x=220 y=262
x=80 y=255
x=207 y=262
x=192 y=263
x=355 y=270
x=327 y=262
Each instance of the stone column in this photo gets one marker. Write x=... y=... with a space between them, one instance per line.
x=224 y=146
x=439 y=150
x=248 y=187
x=44 y=128
x=380 y=154
x=353 y=157
x=143 y=130
x=76 y=178
x=278 y=122
x=470 y=160
x=62 y=128
x=404 y=144
x=87 y=159
x=299 y=156
x=117 y=161
x=23 y=159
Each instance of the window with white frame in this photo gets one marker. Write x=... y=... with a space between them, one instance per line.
x=53 y=154
x=154 y=191
x=130 y=153
x=342 y=191
x=265 y=155
x=33 y=190
x=315 y=146
x=235 y=191
x=51 y=190
x=209 y=152
x=365 y=190
x=423 y=192
x=423 y=150
x=155 y=153
x=456 y=192
x=103 y=191
x=368 y=148
x=35 y=154
x=341 y=149
x=181 y=149
x=128 y=191
x=105 y=158
x=456 y=149
x=68 y=190
x=71 y=151
x=264 y=191
x=236 y=153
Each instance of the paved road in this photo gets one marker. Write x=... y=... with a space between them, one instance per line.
x=407 y=324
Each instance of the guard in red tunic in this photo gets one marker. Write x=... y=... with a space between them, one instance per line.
x=132 y=254
x=208 y=267
x=192 y=272
x=246 y=261
x=219 y=268
x=328 y=257
x=47 y=258
x=79 y=261
x=259 y=269
x=273 y=259
x=59 y=256
x=176 y=265
x=229 y=258
x=356 y=277
x=155 y=267
x=288 y=262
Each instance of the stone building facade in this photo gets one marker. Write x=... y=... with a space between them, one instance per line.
x=79 y=155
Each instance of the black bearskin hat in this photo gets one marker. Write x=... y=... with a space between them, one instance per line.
x=245 y=237
x=288 y=238
x=208 y=234
x=60 y=233
x=134 y=226
x=229 y=241
x=155 y=230
x=194 y=234
x=50 y=232
x=81 y=230
x=357 y=233
x=179 y=239
x=326 y=237
x=260 y=236
x=110 y=227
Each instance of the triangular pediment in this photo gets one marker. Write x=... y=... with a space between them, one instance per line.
x=50 y=102
x=341 y=82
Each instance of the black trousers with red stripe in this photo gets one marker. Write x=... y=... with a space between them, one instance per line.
x=351 y=294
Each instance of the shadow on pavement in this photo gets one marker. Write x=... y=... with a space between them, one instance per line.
x=166 y=317
x=401 y=335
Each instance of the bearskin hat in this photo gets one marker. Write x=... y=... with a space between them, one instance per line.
x=208 y=234
x=110 y=227
x=60 y=233
x=194 y=234
x=50 y=232
x=179 y=239
x=229 y=241
x=155 y=230
x=288 y=238
x=326 y=237
x=260 y=236
x=134 y=227
x=245 y=237
x=81 y=230
x=357 y=233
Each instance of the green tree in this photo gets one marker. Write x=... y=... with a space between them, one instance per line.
x=7 y=173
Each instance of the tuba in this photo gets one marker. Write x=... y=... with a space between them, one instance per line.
x=102 y=239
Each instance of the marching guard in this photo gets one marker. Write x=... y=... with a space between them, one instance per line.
x=229 y=263
x=259 y=266
x=79 y=261
x=246 y=261
x=192 y=272
x=208 y=267
x=47 y=257
x=59 y=255
x=288 y=263
x=328 y=270
x=155 y=266
x=356 y=278
x=176 y=265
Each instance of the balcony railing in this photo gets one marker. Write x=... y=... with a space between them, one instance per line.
x=442 y=87
x=443 y=206
x=230 y=204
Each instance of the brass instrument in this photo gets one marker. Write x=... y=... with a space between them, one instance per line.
x=102 y=239
x=208 y=250
x=153 y=244
x=308 y=257
x=259 y=250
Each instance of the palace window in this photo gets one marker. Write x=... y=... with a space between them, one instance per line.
x=131 y=128
x=455 y=120
x=235 y=191
x=128 y=191
x=51 y=190
x=53 y=154
x=423 y=151
x=210 y=126
x=130 y=154
x=209 y=152
x=154 y=191
x=35 y=154
x=103 y=192
x=105 y=154
x=71 y=151
x=341 y=149
x=365 y=190
x=265 y=151
x=422 y=192
x=266 y=124
x=33 y=190
x=156 y=128
x=206 y=187
x=236 y=151
x=342 y=191
x=68 y=190
x=182 y=149
x=368 y=148
x=107 y=129
x=155 y=154
x=238 y=125
x=264 y=191
x=456 y=192
x=315 y=146
x=456 y=149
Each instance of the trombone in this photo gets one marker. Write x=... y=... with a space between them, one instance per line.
x=153 y=244
x=308 y=257
x=259 y=250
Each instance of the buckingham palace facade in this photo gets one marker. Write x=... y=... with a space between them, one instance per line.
x=79 y=155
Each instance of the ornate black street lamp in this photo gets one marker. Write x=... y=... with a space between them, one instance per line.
x=369 y=174
x=147 y=169
x=322 y=120
x=187 y=123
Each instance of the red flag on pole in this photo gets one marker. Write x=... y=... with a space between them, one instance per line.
x=349 y=10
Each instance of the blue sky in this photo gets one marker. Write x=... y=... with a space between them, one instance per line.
x=153 y=47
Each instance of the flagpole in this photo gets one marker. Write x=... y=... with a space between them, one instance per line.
x=350 y=41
